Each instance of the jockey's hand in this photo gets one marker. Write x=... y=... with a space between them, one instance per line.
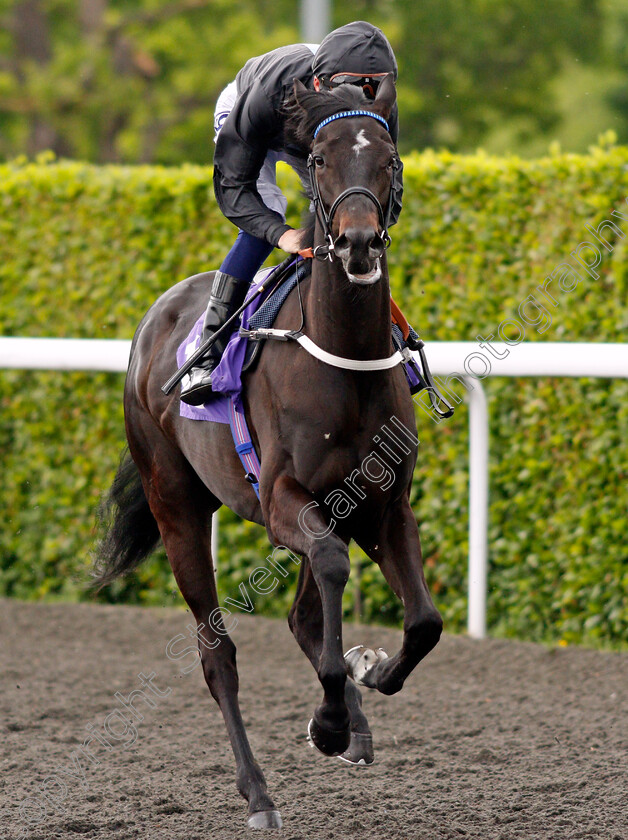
x=290 y=241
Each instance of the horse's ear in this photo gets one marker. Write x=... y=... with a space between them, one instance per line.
x=386 y=96
x=299 y=89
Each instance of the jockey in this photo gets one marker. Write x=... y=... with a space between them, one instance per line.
x=248 y=127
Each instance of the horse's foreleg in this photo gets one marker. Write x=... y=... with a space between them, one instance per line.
x=182 y=507
x=329 y=562
x=306 y=623
x=397 y=550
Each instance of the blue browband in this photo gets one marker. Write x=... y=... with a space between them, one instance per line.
x=352 y=114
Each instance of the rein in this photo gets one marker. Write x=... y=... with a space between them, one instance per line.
x=326 y=217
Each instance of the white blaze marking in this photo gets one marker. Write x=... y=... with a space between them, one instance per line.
x=360 y=142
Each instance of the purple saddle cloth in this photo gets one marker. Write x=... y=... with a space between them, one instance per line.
x=227 y=376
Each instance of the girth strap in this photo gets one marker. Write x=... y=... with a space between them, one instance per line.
x=244 y=444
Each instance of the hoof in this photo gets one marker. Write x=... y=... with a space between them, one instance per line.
x=327 y=741
x=360 y=752
x=265 y=819
x=361 y=661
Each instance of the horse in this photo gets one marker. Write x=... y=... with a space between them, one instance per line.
x=312 y=423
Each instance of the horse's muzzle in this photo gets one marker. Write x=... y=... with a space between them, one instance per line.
x=360 y=250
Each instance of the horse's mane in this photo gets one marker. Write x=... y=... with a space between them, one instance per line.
x=304 y=114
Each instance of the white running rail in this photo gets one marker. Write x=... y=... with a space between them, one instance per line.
x=446 y=359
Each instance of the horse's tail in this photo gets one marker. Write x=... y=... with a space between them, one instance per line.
x=130 y=531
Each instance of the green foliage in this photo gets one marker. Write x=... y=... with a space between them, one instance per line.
x=469 y=66
x=136 y=80
x=85 y=250
x=128 y=81
x=615 y=44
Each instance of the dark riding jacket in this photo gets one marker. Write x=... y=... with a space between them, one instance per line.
x=255 y=126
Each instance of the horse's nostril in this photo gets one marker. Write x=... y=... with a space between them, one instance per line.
x=342 y=246
x=377 y=246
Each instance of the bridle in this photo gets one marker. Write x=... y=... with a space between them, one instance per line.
x=326 y=217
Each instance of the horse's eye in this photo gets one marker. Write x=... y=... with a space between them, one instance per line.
x=319 y=161
x=392 y=163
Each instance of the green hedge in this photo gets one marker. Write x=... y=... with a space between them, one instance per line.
x=84 y=250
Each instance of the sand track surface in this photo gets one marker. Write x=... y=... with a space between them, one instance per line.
x=490 y=740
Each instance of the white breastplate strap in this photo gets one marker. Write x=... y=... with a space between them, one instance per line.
x=318 y=352
x=349 y=364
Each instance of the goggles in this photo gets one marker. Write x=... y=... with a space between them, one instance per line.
x=369 y=84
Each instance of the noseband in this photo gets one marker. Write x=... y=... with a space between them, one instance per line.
x=326 y=217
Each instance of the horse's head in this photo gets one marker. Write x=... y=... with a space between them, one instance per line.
x=352 y=159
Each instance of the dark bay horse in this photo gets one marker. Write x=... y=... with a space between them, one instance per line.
x=314 y=426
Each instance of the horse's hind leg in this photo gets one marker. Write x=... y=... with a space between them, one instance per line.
x=306 y=622
x=183 y=507
x=397 y=550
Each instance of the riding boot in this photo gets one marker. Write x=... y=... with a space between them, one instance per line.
x=227 y=295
